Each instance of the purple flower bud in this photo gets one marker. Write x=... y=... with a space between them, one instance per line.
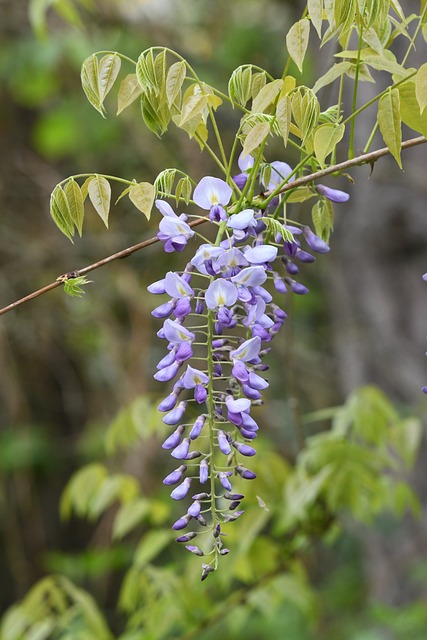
x=247 y=435
x=193 y=455
x=233 y=496
x=240 y=371
x=181 y=451
x=197 y=427
x=200 y=304
x=332 y=194
x=175 y=476
x=218 y=343
x=200 y=496
x=249 y=423
x=166 y=374
x=174 y=439
x=244 y=449
x=217 y=370
x=297 y=287
x=200 y=519
x=290 y=267
x=224 y=552
x=314 y=242
x=168 y=403
x=182 y=522
x=223 y=478
x=174 y=416
x=234 y=516
x=194 y=549
x=304 y=256
x=206 y=570
x=223 y=443
x=224 y=316
x=424 y=389
x=251 y=393
x=259 y=332
x=194 y=509
x=203 y=471
x=186 y=537
x=181 y=490
x=425 y=277
x=164 y=310
x=234 y=505
x=245 y=473
x=279 y=284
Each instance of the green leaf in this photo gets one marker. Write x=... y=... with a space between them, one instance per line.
x=297 y=41
x=99 y=191
x=344 y=13
x=108 y=70
x=277 y=228
x=60 y=212
x=142 y=196
x=421 y=87
x=80 y=490
x=336 y=71
x=146 y=72
x=184 y=189
x=240 y=85
x=266 y=96
x=75 y=202
x=410 y=110
x=129 y=516
x=129 y=91
x=283 y=115
x=151 y=545
x=89 y=77
x=175 y=80
x=193 y=106
x=322 y=215
x=257 y=83
x=315 y=10
x=165 y=181
x=326 y=137
x=389 y=122
x=255 y=137
x=73 y=286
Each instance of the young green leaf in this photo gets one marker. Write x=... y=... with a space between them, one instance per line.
x=297 y=41
x=90 y=82
x=315 y=10
x=336 y=71
x=240 y=85
x=108 y=70
x=174 y=81
x=410 y=110
x=142 y=196
x=255 y=137
x=183 y=190
x=60 y=212
x=73 y=286
x=193 y=106
x=389 y=122
x=100 y=196
x=283 y=115
x=129 y=91
x=164 y=182
x=75 y=202
x=326 y=137
x=266 y=96
x=421 y=87
x=322 y=215
x=146 y=72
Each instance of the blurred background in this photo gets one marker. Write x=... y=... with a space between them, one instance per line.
x=69 y=366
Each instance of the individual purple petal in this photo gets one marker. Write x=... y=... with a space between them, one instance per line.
x=164 y=310
x=297 y=287
x=257 y=382
x=174 y=439
x=174 y=228
x=168 y=403
x=174 y=416
x=193 y=377
x=223 y=443
x=176 y=286
x=245 y=162
x=249 y=423
x=165 y=208
x=182 y=522
x=261 y=253
x=258 y=331
x=225 y=317
x=332 y=194
x=211 y=191
x=314 y=242
x=175 y=333
x=167 y=360
x=240 y=180
x=247 y=351
x=182 y=308
x=251 y=393
x=197 y=427
x=231 y=260
x=425 y=277
x=181 y=490
x=246 y=434
x=181 y=451
x=220 y=293
x=279 y=172
x=244 y=449
x=157 y=287
x=424 y=389
x=200 y=394
x=250 y=277
x=166 y=374
x=237 y=405
x=175 y=476
x=203 y=471
x=240 y=372
x=183 y=352
x=242 y=220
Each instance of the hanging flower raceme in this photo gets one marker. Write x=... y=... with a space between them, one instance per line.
x=219 y=316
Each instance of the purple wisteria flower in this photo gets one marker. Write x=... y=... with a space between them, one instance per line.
x=335 y=195
x=213 y=194
x=173 y=230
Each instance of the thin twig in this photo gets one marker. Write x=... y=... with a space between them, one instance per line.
x=364 y=158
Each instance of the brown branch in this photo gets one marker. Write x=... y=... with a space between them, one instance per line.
x=365 y=158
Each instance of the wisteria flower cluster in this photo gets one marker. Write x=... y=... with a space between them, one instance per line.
x=218 y=323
